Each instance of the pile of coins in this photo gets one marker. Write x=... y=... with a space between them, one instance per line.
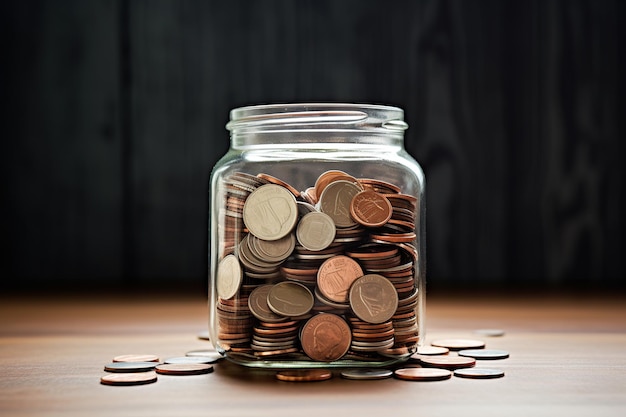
x=140 y=369
x=323 y=274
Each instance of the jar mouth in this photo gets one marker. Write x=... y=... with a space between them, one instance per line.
x=317 y=117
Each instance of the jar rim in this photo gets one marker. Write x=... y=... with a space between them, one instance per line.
x=317 y=116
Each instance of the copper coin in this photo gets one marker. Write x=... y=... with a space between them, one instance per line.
x=373 y=298
x=479 y=373
x=335 y=201
x=129 y=366
x=316 y=231
x=325 y=337
x=304 y=375
x=184 y=368
x=370 y=208
x=280 y=182
x=290 y=299
x=335 y=277
x=490 y=354
x=328 y=177
x=138 y=378
x=447 y=361
x=459 y=344
x=422 y=374
x=136 y=358
x=270 y=212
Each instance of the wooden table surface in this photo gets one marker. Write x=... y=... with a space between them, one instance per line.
x=567 y=358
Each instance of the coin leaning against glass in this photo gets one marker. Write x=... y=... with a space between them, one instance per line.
x=316 y=231
x=270 y=212
x=229 y=277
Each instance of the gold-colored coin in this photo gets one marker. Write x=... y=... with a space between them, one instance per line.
x=373 y=298
x=316 y=231
x=270 y=212
x=290 y=299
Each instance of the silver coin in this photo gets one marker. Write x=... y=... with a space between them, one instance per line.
x=316 y=231
x=130 y=366
x=206 y=353
x=367 y=374
x=229 y=277
x=191 y=359
x=270 y=212
x=484 y=353
x=335 y=201
x=479 y=373
x=290 y=299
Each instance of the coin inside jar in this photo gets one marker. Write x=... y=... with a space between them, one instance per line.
x=335 y=277
x=325 y=337
x=229 y=276
x=373 y=298
x=370 y=208
x=270 y=212
x=290 y=299
x=316 y=231
x=335 y=201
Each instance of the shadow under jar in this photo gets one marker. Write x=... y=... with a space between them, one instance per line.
x=317 y=240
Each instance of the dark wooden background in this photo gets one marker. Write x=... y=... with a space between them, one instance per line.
x=114 y=111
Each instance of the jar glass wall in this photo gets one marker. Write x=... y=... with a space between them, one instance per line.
x=317 y=240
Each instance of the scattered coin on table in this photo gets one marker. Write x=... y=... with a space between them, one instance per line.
x=432 y=350
x=138 y=378
x=479 y=373
x=129 y=366
x=422 y=374
x=366 y=374
x=489 y=354
x=304 y=375
x=184 y=368
x=136 y=358
x=206 y=353
x=190 y=359
x=447 y=361
x=459 y=344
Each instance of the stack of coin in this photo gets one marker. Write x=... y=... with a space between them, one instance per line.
x=367 y=337
x=236 y=188
x=322 y=241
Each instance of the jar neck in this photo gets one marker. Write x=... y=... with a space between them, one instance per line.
x=317 y=126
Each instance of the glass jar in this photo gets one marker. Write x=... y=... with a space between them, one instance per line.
x=317 y=240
